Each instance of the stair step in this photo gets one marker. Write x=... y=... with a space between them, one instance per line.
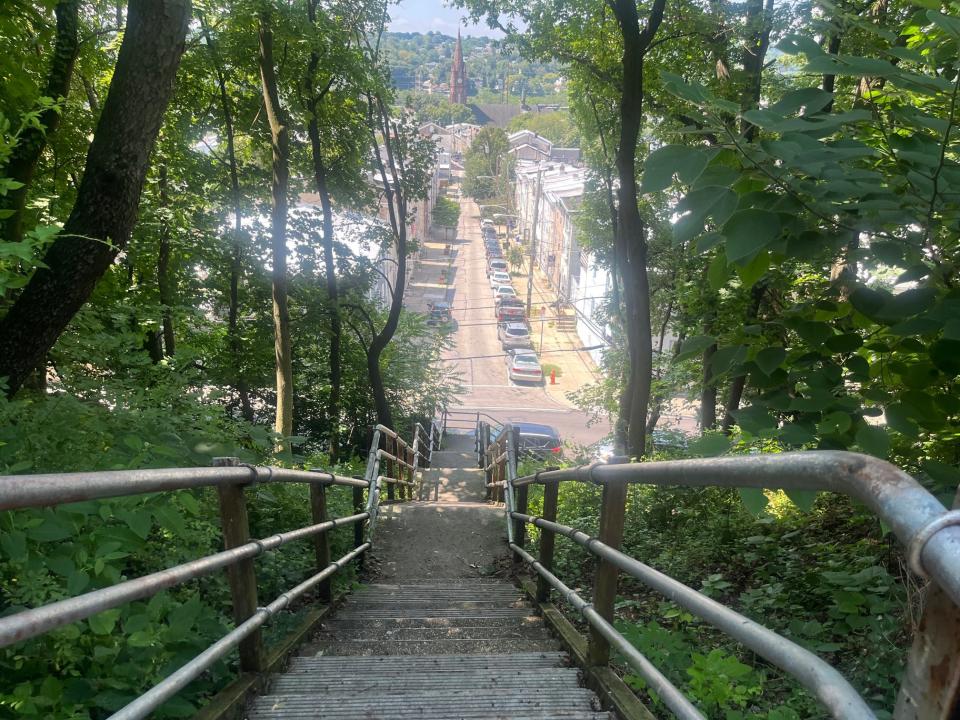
x=402 y=682
x=438 y=647
x=487 y=632
x=387 y=613
x=437 y=703
x=426 y=662
x=430 y=623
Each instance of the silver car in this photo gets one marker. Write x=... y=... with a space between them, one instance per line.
x=523 y=366
x=513 y=335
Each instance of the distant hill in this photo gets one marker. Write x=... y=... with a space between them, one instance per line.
x=417 y=57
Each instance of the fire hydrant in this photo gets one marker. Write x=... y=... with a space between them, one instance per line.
x=553 y=377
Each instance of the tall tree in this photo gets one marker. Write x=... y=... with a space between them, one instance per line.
x=33 y=139
x=280 y=145
x=108 y=196
x=237 y=234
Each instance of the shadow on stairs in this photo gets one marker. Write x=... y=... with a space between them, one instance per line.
x=437 y=649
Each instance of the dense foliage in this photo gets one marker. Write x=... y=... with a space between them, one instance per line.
x=173 y=357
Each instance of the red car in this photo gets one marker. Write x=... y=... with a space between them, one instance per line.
x=510 y=313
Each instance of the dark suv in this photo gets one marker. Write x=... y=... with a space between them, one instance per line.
x=538 y=441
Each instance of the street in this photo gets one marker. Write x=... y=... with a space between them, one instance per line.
x=477 y=354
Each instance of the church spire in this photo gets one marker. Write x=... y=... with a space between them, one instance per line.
x=458 y=74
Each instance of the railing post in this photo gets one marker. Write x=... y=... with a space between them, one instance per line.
x=485 y=459
x=408 y=454
x=930 y=689
x=321 y=542
x=612 y=512
x=520 y=496
x=358 y=527
x=388 y=446
x=242 y=577
x=547 y=538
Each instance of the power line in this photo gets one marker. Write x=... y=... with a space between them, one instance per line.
x=587 y=348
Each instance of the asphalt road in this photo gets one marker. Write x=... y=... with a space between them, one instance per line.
x=479 y=358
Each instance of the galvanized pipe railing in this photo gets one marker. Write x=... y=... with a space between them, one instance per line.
x=23 y=491
x=815 y=674
x=230 y=479
x=930 y=533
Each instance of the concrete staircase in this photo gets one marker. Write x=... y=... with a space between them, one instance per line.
x=463 y=646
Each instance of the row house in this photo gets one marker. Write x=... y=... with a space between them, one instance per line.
x=579 y=281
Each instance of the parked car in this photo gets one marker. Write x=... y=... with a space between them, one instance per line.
x=513 y=335
x=502 y=291
x=538 y=441
x=511 y=313
x=496 y=266
x=487 y=223
x=499 y=278
x=440 y=313
x=523 y=366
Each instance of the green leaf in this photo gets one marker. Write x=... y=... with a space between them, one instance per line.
x=184 y=617
x=717 y=272
x=748 y=232
x=754 y=500
x=754 y=419
x=140 y=521
x=949 y=24
x=814 y=333
x=797 y=44
x=793 y=434
x=694 y=346
x=898 y=420
x=52 y=529
x=769 y=359
x=77 y=582
x=755 y=269
x=873 y=440
x=945 y=355
x=710 y=445
x=835 y=423
x=803 y=499
x=14 y=545
x=946 y=475
x=660 y=166
x=845 y=343
x=103 y=623
x=725 y=358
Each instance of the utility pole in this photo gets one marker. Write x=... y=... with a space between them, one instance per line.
x=533 y=240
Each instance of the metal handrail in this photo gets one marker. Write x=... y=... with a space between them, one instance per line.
x=179 y=679
x=815 y=674
x=671 y=695
x=929 y=531
x=26 y=491
x=37 y=621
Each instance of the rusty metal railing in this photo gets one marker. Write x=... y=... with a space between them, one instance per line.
x=230 y=478
x=929 y=532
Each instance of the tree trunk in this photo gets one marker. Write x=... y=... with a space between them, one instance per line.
x=106 y=207
x=397 y=207
x=708 y=391
x=631 y=229
x=333 y=298
x=236 y=260
x=164 y=286
x=758 y=25
x=281 y=179
x=738 y=384
x=32 y=141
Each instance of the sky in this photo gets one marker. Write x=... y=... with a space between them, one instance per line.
x=426 y=15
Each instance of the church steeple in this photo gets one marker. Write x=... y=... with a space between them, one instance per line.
x=458 y=75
